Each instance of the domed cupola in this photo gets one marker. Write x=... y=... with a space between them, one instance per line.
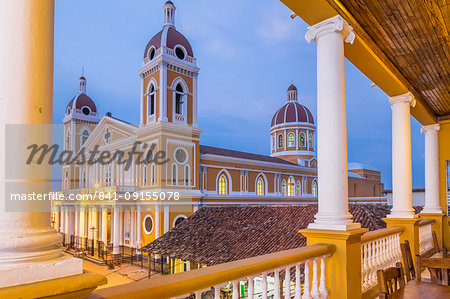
x=293 y=131
x=82 y=104
x=169 y=39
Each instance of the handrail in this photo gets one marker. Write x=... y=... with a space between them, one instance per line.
x=201 y=279
x=426 y=221
x=375 y=234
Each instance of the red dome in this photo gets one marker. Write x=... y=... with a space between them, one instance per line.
x=292 y=112
x=80 y=101
x=169 y=37
x=292 y=87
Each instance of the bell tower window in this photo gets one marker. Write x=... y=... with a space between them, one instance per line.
x=151 y=100
x=179 y=95
x=84 y=137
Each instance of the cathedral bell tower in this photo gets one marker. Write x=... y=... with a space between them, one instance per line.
x=168 y=105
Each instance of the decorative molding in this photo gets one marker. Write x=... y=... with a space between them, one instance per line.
x=331 y=25
x=430 y=128
x=403 y=98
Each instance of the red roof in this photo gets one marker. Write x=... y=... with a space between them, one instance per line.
x=292 y=112
x=215 y=235
x=292 y=87
x=172 y=38
x=82 y=100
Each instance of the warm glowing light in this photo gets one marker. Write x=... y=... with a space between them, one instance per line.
x=96 y=185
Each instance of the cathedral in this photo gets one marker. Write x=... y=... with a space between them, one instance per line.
x=137 y=203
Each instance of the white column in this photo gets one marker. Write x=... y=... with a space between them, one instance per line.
x=163 y=93
x=94 y=224
x=63 y=220
x=82 y=222
x=166 y=218
x=432 y=202
x=138 y=227
x=157 y=225
x=401 y=156
x=120 y=227
x=116 y=241
x=67 y=223
x=105 y=225
x=330 y=36
x=143 y=113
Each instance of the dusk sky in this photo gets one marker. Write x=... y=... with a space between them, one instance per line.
x=248 y=51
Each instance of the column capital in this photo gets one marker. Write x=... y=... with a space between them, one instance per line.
x=430 y=128
x=403 y=98
x=331 y=25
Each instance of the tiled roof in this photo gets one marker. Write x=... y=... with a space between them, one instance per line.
x=215 y=235
x=242 y=155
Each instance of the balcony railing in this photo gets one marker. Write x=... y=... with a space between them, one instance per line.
x=425 y=236
x=304 y=263
x=379 y=249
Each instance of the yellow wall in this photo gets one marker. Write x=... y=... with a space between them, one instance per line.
x=444 y=155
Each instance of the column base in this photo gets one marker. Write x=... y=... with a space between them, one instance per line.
x=336 y=227
x=344 y=263
x=23 y=273
x=74 y=286
x=402 y=215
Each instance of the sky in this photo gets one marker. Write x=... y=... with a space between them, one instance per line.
x=248 y=51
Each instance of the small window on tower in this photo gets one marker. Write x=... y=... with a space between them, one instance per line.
x=151 y=54
x=179 y=94
x=180 y=53
x=86 y=111
x=152 y=100
x=280 y=141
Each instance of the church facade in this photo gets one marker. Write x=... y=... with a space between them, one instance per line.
x=132 y=205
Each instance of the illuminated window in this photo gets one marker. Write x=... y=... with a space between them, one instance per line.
x=314 y=189
x=179 y=95
x=280 y=140
x=298 y=189
x=302 y=139
x=283 y=188
x=291 y=140
x=291 y=186
x=222 y=185
x=311 y=140
x=151 y=100
x=260 y=187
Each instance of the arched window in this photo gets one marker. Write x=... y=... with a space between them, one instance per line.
x=174 y=174
x=311 y=140
x=314 y=189
x=68 y=140
x=84 y=136
x=298 y=189
x=187 y=175
x=179 y=95
x=260 y=187
x=153 y=174
x=280 y=140
x=178 y=220
x=291 y=186
x=302 y=139
x=283 y=188
x=291 y=139
x=145 y=175
x=151 y=100
x=222 y=185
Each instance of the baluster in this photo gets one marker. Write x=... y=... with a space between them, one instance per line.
x=306 y=287
x=276 y=284
x=369 y=264
x=235 y=289
x=287 y=283
x=250 y=288
x=365 y=269
x=373 y=278
x=264 y=286
x=217 y=292
x=397 y=250
x=384 y=258
x=315 y=283
x=298 y=288
x=323 y=283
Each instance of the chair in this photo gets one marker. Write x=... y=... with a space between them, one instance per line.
x=438 y=268
x=390 y=280
x=410 y=272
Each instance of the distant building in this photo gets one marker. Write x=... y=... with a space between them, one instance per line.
x=200 y=175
